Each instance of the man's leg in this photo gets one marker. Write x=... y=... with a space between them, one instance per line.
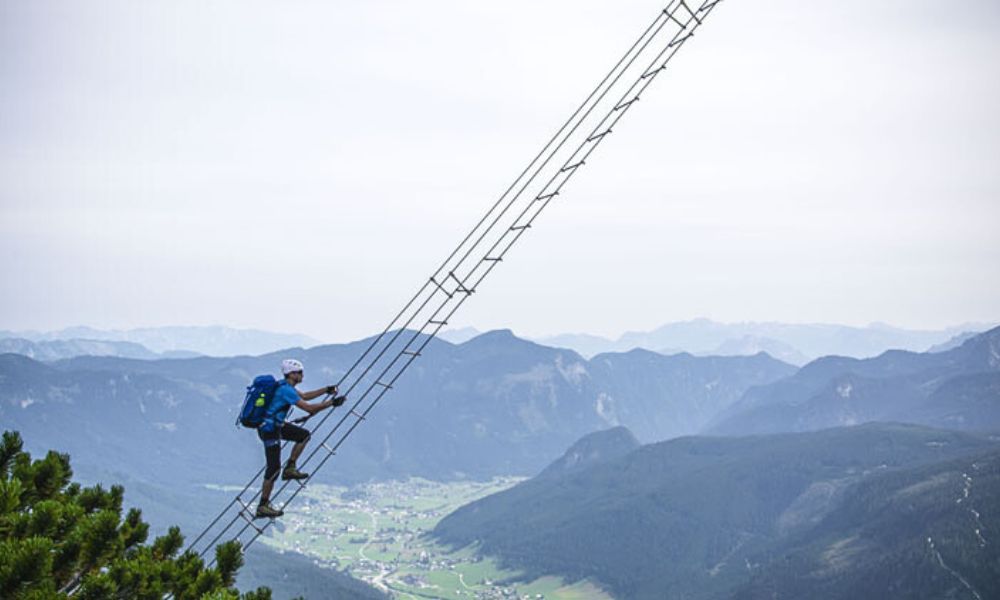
x=296 y=452
x=265 y=490
x=300 y=436
x=272 y=451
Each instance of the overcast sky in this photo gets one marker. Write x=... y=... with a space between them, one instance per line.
x=304 y=166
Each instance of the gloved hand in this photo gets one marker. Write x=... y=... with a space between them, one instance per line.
x=331 y=390
x=339 y=400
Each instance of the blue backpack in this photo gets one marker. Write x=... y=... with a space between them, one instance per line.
x=259 y=396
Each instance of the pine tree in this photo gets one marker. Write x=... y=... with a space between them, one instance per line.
x=59 y=540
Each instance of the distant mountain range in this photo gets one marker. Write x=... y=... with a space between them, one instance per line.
x=876 y=511
x=168 y=341
x=70 y=348
x=459 y=336
x=493 y=405
x=792 y=343
x=957 y=389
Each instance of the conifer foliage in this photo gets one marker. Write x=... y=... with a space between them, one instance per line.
x=59 y=539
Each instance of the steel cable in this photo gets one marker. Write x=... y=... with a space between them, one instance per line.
x=419 y=339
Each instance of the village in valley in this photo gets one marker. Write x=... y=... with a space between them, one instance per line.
x=377 y=532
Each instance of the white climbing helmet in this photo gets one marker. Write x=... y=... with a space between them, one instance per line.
x=290 y=365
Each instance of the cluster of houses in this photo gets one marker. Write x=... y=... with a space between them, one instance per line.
x=401 y=535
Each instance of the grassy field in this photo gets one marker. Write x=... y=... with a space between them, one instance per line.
x=377 y=532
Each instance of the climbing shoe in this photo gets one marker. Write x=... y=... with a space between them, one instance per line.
x=266 y=510
x=291 y=473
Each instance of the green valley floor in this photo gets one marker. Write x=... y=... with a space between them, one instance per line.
x=377 y=533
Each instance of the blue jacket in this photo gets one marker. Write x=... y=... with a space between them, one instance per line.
x=284 y=398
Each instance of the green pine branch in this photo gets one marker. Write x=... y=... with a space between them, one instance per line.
x=61 y=540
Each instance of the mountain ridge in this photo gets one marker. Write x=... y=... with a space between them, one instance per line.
x=687 y=517
x=791 y=342
x=896 y=385
x=70 y=348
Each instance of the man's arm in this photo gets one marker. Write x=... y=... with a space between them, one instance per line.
x=314 y=408
x=330 y=390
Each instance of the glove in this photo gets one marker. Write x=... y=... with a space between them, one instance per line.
x=331 y=390
x=339 y=400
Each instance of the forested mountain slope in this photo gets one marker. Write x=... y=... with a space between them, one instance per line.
x=697 y=517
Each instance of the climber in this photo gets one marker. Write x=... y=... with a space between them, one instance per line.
x=274 y=429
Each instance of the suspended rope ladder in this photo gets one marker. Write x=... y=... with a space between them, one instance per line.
x=389 y=354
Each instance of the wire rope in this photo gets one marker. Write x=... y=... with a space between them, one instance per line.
x=457 y=287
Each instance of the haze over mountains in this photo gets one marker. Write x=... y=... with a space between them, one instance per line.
x=50 y=350
x=167 y=342
x=793 y=343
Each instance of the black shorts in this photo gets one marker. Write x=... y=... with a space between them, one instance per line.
x=272 y=445
x=292 y=433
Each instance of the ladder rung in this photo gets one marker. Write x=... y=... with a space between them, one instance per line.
x=242 y=503
x=627 y=104
x=357 y=414
x=437 y=322
x=674 y=18
x=693 y=14
x=572 y=166
x=599 y=135
x=655 y=71
x=411 y=352
x=491 y=259
x=680 y=40
x=249 y=520
x=520 y=227
x=328 y=449
x=549 y=196
x=260 y=530
x=461 y=286
x=440 y=287
x=708 y=6
x=385 y=385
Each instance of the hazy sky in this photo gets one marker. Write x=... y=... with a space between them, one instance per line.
x=304 y=166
